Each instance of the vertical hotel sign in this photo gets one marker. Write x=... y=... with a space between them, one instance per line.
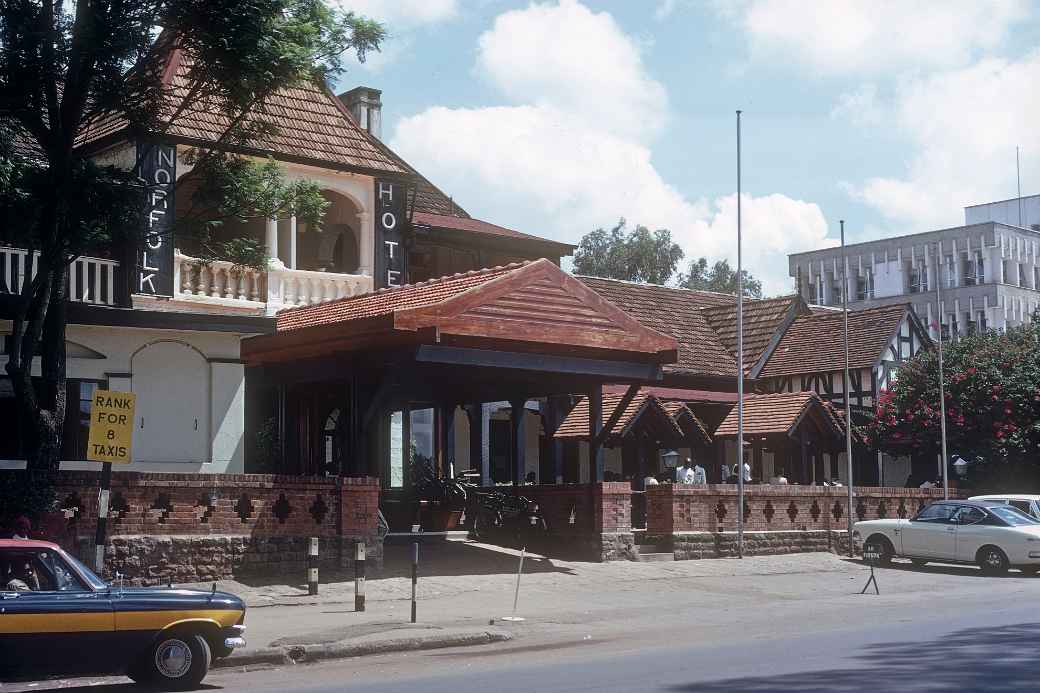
x=155 y=253
x=391 y=255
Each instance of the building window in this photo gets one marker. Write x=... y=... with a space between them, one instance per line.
x=951 y=272
x=865 y=286
x=817 y=289
x=918 y=278
x=974 y=269
x=980 y=320
x=837 y=291
x=77 y=418
x=1021 y=275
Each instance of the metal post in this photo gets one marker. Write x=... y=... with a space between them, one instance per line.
x=942 y=385
x=740 y=366
x=516 y=594
x=359 y=576
x=102 y=520
x=312 y=567
x=415 y=575
x=848 y=381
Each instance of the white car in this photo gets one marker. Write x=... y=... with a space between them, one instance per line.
x=992 y=535
x=1027 y=503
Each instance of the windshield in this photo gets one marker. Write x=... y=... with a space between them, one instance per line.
x=95 y=582
x=1013 y=516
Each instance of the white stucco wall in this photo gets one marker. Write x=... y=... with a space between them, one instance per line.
x=182 y=379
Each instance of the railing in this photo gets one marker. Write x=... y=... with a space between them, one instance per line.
x=226 y=284
x=91 y=279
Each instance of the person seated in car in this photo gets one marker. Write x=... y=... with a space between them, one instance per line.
x=21 y=579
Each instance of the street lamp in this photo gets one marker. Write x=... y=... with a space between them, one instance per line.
x=670 y=458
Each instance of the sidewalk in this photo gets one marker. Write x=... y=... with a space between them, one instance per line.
x=464 y=586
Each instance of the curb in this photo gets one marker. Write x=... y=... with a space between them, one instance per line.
x=344 y=649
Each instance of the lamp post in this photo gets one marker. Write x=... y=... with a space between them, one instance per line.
x=845 y=386
x=740 y=366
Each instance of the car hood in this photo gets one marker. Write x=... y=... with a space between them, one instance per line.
x=1027 y=530
x=878 y=524
x=170 y=598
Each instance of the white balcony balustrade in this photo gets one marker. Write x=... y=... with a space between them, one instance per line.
x=222 y=283
x=91 y=279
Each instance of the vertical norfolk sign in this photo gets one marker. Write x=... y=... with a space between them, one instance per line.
x=155 y=255
x=391 y=256
x=111 y=426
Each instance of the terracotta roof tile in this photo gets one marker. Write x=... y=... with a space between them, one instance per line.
x=576 y=424
x=761 y=319
x=471 y=225
x=386 y=301
x=770 y=414
x=674 y=312
x=813 y=343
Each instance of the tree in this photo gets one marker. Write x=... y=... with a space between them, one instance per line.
x=721 y=277
x=641 y=255
x=67 y=66
x=992 y=388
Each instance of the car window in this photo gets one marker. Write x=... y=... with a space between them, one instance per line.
x=37 y=571
x=968 y=515
x=1022 y=505
x=1013 y=516
x=936 y=512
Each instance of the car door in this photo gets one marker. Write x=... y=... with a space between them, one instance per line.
x=973 y=531
x=931 y=534
x=59 y=625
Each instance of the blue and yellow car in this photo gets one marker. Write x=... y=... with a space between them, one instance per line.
x=58 y=618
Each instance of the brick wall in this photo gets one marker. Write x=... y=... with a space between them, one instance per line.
x=675 y=508
x=200 y=527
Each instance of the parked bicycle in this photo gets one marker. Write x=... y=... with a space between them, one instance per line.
x=505 y=513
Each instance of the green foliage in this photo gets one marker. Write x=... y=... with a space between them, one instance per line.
x=26 y=493
x=721 y=277
x=992 y=395
x=641 y=255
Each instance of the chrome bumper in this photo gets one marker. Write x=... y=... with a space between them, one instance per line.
x=234 y=636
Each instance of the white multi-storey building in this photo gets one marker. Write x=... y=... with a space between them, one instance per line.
x=983 y=275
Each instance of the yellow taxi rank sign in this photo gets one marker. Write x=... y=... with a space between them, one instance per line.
x=111 y=426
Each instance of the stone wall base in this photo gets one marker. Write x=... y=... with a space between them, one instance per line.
x=697 y=545
x=154 y=560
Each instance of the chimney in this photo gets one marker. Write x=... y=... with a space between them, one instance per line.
x=364 y=104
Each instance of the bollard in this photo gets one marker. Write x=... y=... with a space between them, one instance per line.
x=359 y=576
x=312 y=567
x=516 y=594
x=415 y=575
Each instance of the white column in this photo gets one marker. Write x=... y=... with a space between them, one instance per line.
x=366 y=241
x=272 y=241
x=292 y=242
x=227 y=417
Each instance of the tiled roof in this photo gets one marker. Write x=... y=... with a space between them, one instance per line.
x=309 y=123
x=576 y=424
x=674 y=312
x=688 y=421
x=813 y=343
x=430 y=199
x=761 y=319
x=680 y=394
x=777 y=414
x=477 y=226
x=386 y=301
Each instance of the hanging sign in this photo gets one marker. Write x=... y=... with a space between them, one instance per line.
x=155 y=254
x=111 y=426
x=391 y=256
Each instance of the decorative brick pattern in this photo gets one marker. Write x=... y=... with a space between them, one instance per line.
x=675 y=508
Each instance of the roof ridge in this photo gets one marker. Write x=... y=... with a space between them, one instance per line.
x=656 y=286
x=425 y=283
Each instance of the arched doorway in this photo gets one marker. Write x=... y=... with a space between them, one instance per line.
x=171 y=380
x=335 y=248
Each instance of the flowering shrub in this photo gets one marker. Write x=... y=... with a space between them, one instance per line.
x=992 y=389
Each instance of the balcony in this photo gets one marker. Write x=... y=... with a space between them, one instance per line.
x=91 y=279
x=225 y=284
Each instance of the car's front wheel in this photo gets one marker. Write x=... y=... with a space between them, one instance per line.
x=177 y=662
x=992 y=560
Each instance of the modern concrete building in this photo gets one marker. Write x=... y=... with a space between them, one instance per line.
x=988 y=269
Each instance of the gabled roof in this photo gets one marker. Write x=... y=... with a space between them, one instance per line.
x=781 y=414
x=762 y=318
x=692 y=426
x=644 y=413
x=534 y=305
x=813 y=343
x=675 y=312
x=310 y=124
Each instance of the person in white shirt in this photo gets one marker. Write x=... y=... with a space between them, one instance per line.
x=684 y=473
x=700 y=476
x=747 y=471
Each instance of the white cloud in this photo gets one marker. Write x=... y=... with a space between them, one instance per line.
x=570 y=152
x=567 y=57
x=860 y=106
x=874 y=36
x=407 y=13
x=964 y=125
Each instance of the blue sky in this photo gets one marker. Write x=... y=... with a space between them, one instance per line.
x=556 y=117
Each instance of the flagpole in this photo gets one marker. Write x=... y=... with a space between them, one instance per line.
x=942 y=385
x=740 y=367
x=847 y=395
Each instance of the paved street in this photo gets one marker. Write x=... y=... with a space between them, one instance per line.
x=665 y=626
